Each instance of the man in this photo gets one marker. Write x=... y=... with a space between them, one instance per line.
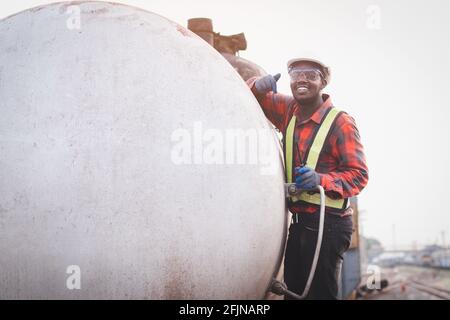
x=324 y=148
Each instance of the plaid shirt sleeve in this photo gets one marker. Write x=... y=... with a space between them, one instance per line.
x=351 y=174
x=274 y=105
x=345 y=173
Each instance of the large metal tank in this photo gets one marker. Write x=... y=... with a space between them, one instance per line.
x=118 y=178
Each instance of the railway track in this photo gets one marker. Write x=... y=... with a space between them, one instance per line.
x=418 y=283
x=402 y=286
x=433 y=290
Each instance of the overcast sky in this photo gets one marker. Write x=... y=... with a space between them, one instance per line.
x=390 y=68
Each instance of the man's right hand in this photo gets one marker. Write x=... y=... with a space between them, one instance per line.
x=267 y=83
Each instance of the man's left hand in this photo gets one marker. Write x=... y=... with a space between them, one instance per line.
x=306 y=178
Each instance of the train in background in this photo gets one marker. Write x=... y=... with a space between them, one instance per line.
x=431 y=256
x=229 y=47
x=441 y=259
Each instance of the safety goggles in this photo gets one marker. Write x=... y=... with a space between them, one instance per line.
x=307 y=74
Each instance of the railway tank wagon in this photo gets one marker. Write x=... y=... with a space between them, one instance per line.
x=107 y=167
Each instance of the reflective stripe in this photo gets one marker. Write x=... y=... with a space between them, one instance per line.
x=319 y=140
x=313 y=157
x=289 y=148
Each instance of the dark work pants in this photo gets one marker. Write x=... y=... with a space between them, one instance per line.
x=300 y=249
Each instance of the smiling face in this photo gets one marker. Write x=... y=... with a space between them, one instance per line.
x=306 y=81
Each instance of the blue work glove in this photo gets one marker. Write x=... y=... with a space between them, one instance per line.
x=306 y=178
x=267 y=83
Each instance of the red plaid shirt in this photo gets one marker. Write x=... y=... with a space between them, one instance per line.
x=341 y=165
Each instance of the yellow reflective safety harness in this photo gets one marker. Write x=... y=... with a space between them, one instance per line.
x=312 y=158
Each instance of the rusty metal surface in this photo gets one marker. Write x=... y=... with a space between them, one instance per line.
x=245 y=68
